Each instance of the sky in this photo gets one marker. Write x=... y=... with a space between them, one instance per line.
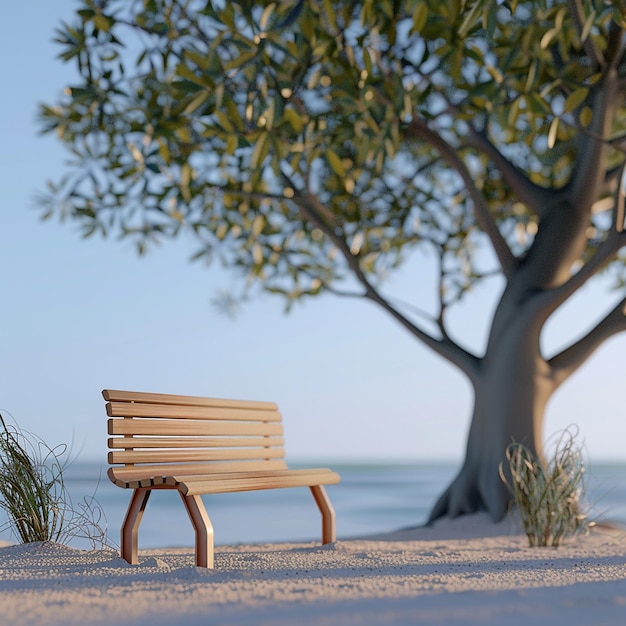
x=80 y=315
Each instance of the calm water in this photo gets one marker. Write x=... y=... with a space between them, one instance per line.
x=369 y=499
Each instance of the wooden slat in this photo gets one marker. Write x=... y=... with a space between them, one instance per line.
x=231 y=485
x=138 y=482
x=190 y=428
x=194 y=442
x=193 y=456
x=220 y=481
x=125 y=409
x=115 y=395
x=259 y=473
x=125 y=475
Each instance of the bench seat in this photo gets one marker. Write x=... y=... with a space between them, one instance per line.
x=201 y=446
x=229 y=482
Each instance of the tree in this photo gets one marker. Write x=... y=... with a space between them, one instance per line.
x=315 y=145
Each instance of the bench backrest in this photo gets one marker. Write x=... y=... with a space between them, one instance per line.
x=189 y=435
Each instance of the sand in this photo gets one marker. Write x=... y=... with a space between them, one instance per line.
x=465 y=571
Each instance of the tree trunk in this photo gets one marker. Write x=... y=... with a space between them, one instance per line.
x=513 y=382
x=512 y=387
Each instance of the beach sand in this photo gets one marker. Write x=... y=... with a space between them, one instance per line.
x=464 y=571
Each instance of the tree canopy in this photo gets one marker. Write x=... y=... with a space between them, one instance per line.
x=314 y=145
x=311 y=141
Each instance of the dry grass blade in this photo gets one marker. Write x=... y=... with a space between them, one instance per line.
x=548 y=496
x=29 y=488
x=33 y=493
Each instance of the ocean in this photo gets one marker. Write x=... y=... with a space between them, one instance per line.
x=371 y=498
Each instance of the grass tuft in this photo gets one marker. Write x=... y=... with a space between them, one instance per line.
x=548 y=496
x=34 y=496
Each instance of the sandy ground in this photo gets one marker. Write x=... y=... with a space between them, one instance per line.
x=465 y=571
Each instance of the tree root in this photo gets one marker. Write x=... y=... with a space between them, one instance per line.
x=471 y=492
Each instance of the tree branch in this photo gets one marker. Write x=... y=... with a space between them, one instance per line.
x=618 y=210
x=578 y=15
x=315 y=213
x=507 y=259
x=613 y=177
x=565 y=363
x=615 y=239
x=311 y=210
x=607 y=250
x=444 y=347
x=589 y=170
x=442 y=302
x=533 y=196
x=615 y=48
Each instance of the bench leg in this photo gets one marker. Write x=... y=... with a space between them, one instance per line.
x=130 y=527
x=329 y=532
x=203 y=527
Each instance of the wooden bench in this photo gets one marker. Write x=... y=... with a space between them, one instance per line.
x=200 y=446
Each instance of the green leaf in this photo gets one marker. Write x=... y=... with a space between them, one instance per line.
x=536 y=104
x=514 y=111
x=201 y=60
x=224 y=121
x=295 y=119
x=530 y=78
x=335 y=162
x=547 y=38
x=495 y=73
x=233 y=115
x=102 y=22
x=575 y=99
x=231 y=144
x=187 y=73
x=240 y=60
x=471 y=18
x=80 y=92
x=164 y=151
x=586 y=116
x=420 y=16
x=196 y=102
x=552 y=133
x=367 y=61
x=258 y=223
x=261 y=150
x=587 y=27
x=185 y=179
x=265 y=16
x=490 y=18
x=308 y=29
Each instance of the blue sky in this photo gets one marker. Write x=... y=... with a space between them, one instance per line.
x=81 y=315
